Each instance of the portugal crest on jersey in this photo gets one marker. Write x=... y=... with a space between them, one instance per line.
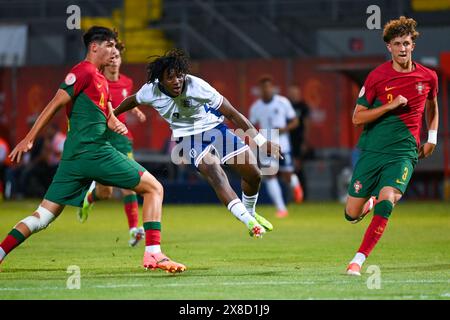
x=357 y=186
x=420 y=87
x=124 y=93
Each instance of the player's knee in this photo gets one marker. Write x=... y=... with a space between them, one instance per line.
x=390 y=194
x=36 y=223
x=255 y=176
x=155 y=188
x=104 y=193
x=351 y=214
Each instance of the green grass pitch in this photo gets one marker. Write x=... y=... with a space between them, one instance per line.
x=303 y=258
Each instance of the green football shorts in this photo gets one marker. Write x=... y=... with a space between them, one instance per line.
x=374 y=170
x=105 y=165
x=122 y=143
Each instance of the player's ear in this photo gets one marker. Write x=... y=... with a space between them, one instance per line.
x=93 y=46
x=413 y=46
x=388 y=46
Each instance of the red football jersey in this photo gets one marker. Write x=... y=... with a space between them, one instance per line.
x=399 y=130
x=86 y=78
x=121 y=89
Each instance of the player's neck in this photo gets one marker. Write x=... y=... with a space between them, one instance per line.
x=267 y=99
x=111 y=76
x=90 y=58
x=407 y=67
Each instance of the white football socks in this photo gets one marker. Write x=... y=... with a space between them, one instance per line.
x=359 y=259
x=238 y=209
x=153 y=249
x=250 y=203
x=294 y=181
x=275 y=193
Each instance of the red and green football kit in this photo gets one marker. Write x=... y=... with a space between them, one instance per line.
x=119 y=90
x=389 y=145
x=88 y=154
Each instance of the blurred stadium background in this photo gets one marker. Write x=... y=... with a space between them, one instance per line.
x=323 y=47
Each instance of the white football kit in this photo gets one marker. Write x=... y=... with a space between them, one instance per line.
x=274 y=115
x=192 y=112
x=194 y=119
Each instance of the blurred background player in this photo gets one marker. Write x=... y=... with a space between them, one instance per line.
x=273 y=111
x=120 y=86
x=301 y=147
x=195 y=112
x=88 y=155
x=4 y=163
x=390 y=106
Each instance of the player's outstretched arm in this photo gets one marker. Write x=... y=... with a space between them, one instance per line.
x=432 y=118
x=363 y=115
x=243 y=123
x=60 y=99
x=127 y=104
x=139 y=114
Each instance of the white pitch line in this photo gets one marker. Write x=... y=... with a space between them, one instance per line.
x=242 y=283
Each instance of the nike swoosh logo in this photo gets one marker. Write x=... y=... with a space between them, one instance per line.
x=388 y=88
x=400 y=182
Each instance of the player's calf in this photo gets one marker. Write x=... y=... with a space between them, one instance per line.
x=35 y=223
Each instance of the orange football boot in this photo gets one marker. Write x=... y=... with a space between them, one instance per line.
x=354 y=269
x=298 y=194
x=161 y=261
x=282 y=213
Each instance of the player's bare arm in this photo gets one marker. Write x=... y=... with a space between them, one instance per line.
x=59 y=100
x=139 y=114
x=291 y=125
x=363 y=115
x=115 y=124
x=243 y=123
x=432 y=118
x=127 y=104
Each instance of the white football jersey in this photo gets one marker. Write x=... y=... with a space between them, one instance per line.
x=192 y=112
x=274 y=115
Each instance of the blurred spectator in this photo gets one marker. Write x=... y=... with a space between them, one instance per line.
x=301 y=148
x=4 y=163
x=33 y=176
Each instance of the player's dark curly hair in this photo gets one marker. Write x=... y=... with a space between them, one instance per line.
x=175 y=59
x=400 y=27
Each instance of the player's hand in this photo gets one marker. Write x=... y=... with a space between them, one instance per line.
x=426 y=150
x=272 y=149
x=399 y=101
x=116 y=125
x=23 y=146
x=140 y=115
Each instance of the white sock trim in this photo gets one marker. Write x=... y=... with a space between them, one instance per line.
x=153 y=249
x=232 y=203
x=250 y=202
x=294 y=181
x=2 y=254
x=238 y=209
x=275 y=193
x=359 y=259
